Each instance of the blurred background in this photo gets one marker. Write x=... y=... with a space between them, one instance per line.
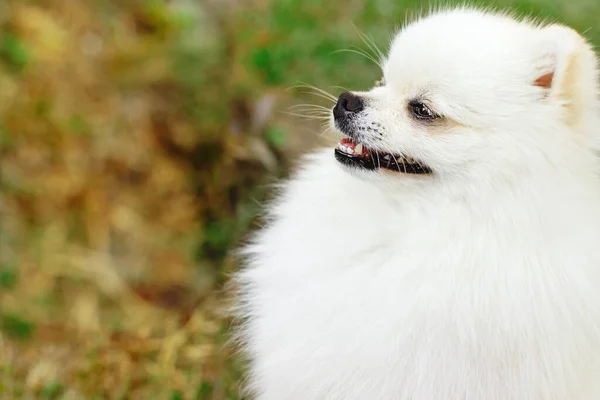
x=138 y=141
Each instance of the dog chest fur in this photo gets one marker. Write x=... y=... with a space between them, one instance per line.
x=422 y=297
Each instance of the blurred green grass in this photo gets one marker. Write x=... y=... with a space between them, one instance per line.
x=138 y=140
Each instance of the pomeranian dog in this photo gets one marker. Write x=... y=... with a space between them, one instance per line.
x=449 y=247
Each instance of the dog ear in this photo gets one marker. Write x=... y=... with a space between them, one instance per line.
x=566 y=70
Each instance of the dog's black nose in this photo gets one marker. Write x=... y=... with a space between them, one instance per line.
x=347 y=103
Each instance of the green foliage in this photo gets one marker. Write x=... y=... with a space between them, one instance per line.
x=8 y=277
x=276 y=137
x=176 y=395
x=52 y=391
x=204 y=391
x=14 y=51
x=16 y=326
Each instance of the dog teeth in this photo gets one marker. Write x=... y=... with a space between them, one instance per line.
x=359 y=150
x=344 y=149
x=405 y=160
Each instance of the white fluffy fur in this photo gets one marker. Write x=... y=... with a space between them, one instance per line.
x=480 y=281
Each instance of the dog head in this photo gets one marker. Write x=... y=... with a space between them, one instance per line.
x=467 y=93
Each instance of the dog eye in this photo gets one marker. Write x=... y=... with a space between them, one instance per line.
x=421 y=111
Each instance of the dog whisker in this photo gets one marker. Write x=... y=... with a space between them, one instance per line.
x=315 y=89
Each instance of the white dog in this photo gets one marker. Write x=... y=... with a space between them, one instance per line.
x=449 y=247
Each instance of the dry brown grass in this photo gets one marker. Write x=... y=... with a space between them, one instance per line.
x=107 y=186
x=134 y=153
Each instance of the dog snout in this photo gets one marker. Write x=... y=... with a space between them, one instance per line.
x=347 y=104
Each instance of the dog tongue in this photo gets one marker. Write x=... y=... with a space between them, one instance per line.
x=353 y=148
x=348 y=143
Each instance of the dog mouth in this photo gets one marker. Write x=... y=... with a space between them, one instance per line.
x=357 y=155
